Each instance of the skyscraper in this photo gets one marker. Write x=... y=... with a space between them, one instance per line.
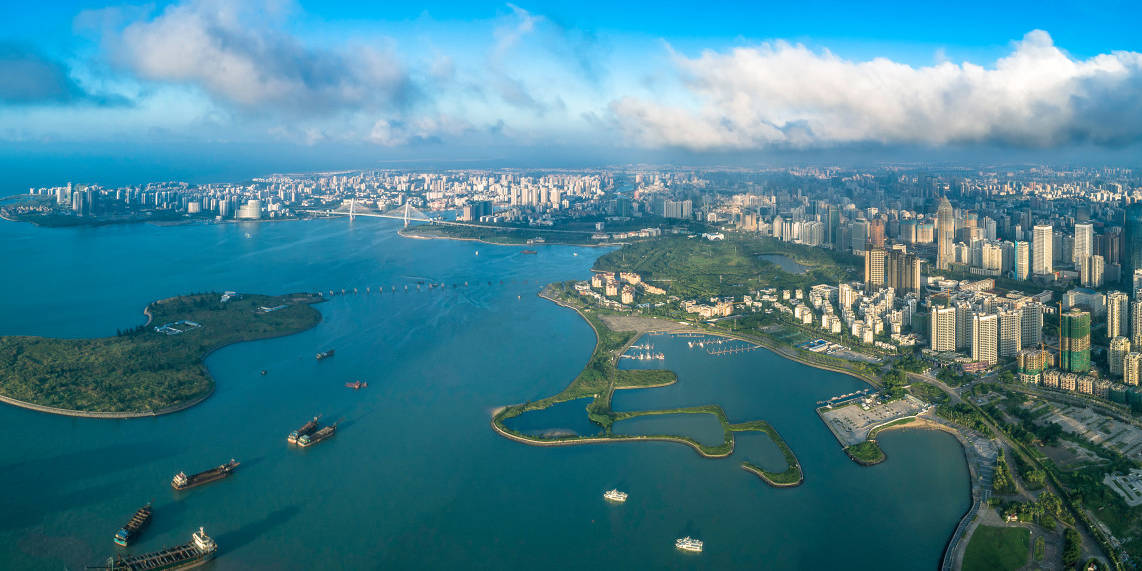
x=1119 y=347
x=1074 y=341
x=1136 y=324
x=984 y=346
x=1117 y=314
x=1032 y=317
x=946 y=230
x=943 y=329
x=1091 y=271
x=1041 y=249
x=1084 y=242
x=874 y=268
x=1022 y=260
x=1132 y=254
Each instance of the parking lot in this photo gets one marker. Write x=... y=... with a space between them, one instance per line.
x=851 y=423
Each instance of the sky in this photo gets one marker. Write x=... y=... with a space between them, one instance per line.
x=210 y=87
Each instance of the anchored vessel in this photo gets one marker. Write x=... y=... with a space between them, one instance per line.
x=200 y=549
x=311 y=439
x=357 y=385
x=689 y=544
x=134 y=527
x=307 y=428
x=615 y=495
x=324 y=354
x=183 y=482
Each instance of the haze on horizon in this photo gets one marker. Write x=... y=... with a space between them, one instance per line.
x=197 y=88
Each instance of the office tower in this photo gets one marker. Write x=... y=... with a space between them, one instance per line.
x=1084 y=242
x=874 y=268
x=943 y=328
x=1091 y=270
x=985 y=330
x=1022 y=260
x=1010 y=332
x=1074 y=341
x=1117 y=314
x=1041 y=250
x=946 y=232
x=1119 y=347
x=1132 y=368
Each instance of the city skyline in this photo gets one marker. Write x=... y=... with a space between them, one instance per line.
x=181 y=85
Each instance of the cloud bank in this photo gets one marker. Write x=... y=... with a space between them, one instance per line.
x=786 y=95
x=236 y=52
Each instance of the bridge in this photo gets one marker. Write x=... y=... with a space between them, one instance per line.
x=409 y=213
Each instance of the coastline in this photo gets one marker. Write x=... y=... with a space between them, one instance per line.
x=179 y=407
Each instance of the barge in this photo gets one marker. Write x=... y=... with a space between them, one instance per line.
x=311 y=439
x=200 y=549
x=183 y=482
x=307 y=428
x=134 y=526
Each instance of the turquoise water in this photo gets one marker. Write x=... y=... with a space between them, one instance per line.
x=415 y=478
x=704 y=428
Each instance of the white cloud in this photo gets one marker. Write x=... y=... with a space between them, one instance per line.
x=233 y=51
x=396 y=132
x=786 y=95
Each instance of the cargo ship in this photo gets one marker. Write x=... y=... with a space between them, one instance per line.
x=200 y=549
x=325 y=354
x=357 y=385
x=307 y=428
x=134 y=527
x=183 y=482
x=311 y=439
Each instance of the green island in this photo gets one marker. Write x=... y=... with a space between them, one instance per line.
x=574 y=232
x=601 y=377
x=154 y=368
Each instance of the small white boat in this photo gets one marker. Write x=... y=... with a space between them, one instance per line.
x=615 y=496
x=688 y=544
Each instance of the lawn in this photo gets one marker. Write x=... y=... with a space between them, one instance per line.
x=997 y=548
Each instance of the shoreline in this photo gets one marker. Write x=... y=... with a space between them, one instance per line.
x=121 y=415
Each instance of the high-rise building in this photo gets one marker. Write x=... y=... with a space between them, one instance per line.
x=985 y=331
x=964 y=312
x=1084 y=242
x=1010 y=332
x=1132 y=368
x=1136 y=324
x=1132 y=254
x=1074 y=341
x=1136 y=282
x=1119 y=347
x=1043 y=238
x=876 y=233
x=1022 y=260
x=942 y=326
x=874 y=268
x=1117 y=314
x=946 y=232
x=1091 y=271
x=1032 y=318
x=677 y=209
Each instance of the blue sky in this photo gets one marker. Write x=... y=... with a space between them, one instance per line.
x=567 y=82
